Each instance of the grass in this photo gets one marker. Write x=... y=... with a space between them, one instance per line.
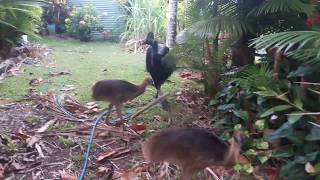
x=88 y=63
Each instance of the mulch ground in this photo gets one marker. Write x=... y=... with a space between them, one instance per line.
x=46 y=137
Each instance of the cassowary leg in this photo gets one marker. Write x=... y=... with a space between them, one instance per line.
x=118 y=108
x=109 y=112
x=121 y=122
x=158 y=92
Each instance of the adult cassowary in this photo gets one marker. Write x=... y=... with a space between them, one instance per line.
x=160 y=63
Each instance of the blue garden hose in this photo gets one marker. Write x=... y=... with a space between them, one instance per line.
x=85 y=165
x=83 y=172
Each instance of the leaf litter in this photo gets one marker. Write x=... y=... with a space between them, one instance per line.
x=37 y=151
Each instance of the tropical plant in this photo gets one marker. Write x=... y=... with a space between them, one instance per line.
x=143 y=16
x=242 y=20
x=83 y=22
x=56 y=12
x=276 y=101
x=18 y=17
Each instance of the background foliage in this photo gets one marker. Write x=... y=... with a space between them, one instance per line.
x=83 y=21
x=274 y=100
x=18 y=17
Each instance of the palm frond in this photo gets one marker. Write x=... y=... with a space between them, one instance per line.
x=255 y=77
x=285 y=40
x=210 y=27
x=277 y=6
x=306 y=44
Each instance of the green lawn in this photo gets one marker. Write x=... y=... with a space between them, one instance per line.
x=88 y=63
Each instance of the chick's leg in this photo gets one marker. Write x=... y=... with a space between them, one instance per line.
x=109 y=112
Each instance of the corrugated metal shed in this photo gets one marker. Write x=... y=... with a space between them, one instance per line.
x=110 y=13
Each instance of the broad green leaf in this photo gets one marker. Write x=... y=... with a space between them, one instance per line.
x=244 y=115
x=251 y=152
x=260 y=144
x=314 y=135
x=237 y=127
x=259 y=124
x=267 y=93
x=301 y=71
x=292 y=118
x=285 y=169
x=317 y=167
x=283 y=97
x=284 y=131
x=248 y=168
x=226 y=107
x=297 y=102
x=263 y=159
x=213 y=102
x=284 y=152
x=297 y=137
x=275 y=109
x=263 y=145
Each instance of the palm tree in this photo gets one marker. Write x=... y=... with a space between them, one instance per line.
x=243 y=20
x=172 y=24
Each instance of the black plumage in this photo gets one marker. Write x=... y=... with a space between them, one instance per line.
x=159 y=62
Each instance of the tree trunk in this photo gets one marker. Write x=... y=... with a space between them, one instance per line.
x=212 y=77
x=172 y=25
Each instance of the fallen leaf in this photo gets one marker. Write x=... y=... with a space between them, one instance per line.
x=68 y=88
x=103 y=171
x=129 y=175
x=45 y=148
x=139 y=128
x=91 y=103
x=310 y=168
x=18 y=166
x=120 y=153
x=21 y=134
x=59 y=73
x=46 y=126
x=106 y=155
x=65 y=176
x=31 y=141
x=5 y=102
x=28 y=159
x=39 y=150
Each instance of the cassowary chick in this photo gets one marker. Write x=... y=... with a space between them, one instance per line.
x=192 y=149
x=117 y=92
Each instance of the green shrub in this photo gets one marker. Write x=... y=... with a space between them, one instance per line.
x=17 y=18
x=268 y=111
x=83 y=21
x=56 y=12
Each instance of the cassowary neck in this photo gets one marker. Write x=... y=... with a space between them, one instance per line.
x=154 y=53
x=142 y=88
